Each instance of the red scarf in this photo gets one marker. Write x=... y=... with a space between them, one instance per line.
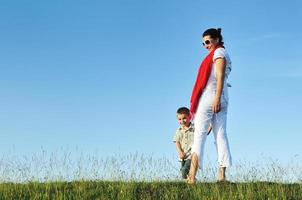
x=204 y=73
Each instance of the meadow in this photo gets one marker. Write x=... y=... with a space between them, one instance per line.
x=149 y=190
x=65 y=175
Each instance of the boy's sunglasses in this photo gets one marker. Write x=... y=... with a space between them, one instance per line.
x=206 y=42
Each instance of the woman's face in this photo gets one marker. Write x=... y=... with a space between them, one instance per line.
x=209 y=43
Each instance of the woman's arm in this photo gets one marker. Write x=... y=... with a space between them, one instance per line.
x=220 y=72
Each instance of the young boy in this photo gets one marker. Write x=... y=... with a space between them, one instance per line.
x=184 y=139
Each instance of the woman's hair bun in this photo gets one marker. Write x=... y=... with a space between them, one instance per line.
x=214 y=33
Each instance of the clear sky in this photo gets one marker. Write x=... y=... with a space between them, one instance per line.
x=108 y=76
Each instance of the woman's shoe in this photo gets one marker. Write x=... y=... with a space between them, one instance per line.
x=191 y=180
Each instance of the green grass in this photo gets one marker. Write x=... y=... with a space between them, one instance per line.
x=149 y=190
x=63 y=175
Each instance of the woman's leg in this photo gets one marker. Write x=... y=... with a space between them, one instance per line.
x=221 y=174
x=193 y=169
x=221 y=141
x=202 y=122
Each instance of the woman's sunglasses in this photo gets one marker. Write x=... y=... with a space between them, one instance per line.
x=206 y=42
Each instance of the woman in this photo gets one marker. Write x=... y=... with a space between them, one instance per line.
x=209 y=103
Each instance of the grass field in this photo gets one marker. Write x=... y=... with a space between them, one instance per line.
x=149 y=190
x=135 y=177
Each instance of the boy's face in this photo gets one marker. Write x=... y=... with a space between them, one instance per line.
x=183 y=119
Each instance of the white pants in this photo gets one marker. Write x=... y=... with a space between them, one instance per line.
x=203 y=118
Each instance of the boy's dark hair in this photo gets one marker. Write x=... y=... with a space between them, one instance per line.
x=183 y=110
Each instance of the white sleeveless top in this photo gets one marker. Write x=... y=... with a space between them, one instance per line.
x=212 y=82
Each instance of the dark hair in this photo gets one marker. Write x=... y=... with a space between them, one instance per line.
x=214 y=33
x=183 y=110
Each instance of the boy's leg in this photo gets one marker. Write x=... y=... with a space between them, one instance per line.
x=182 y=163
x=186 y=168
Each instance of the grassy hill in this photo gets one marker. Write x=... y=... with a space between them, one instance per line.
x=64 y=175
x=104 y=190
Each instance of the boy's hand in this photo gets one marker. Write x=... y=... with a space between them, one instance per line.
x=182 y=155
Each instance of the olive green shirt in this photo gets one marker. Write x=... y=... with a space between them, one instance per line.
x=185 y=138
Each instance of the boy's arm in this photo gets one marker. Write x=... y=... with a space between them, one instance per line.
x=181 y=153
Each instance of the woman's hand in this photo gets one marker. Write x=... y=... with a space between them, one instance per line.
x=216 y=105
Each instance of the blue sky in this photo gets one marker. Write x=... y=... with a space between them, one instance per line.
x=108 y=76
